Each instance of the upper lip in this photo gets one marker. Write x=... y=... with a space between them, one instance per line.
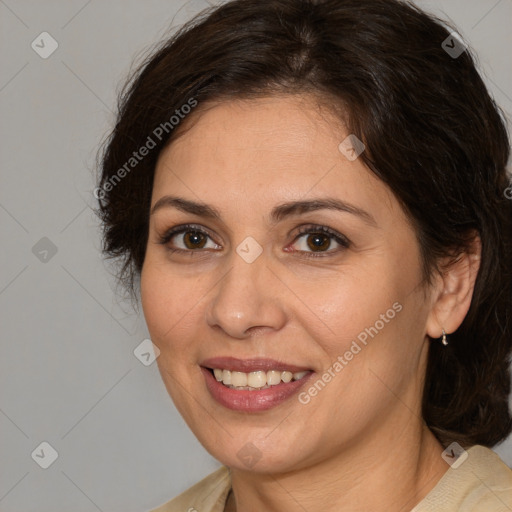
x=250 y=365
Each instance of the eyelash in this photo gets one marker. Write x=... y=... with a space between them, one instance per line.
x=316 y=229
x=305 y=230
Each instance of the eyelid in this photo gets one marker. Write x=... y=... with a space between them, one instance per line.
x=320 y=228
x=311 y=229
x=183 y=228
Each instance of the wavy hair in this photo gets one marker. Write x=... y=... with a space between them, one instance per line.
x=432 y=133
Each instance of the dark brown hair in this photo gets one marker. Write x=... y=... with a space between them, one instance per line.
x=432 y=134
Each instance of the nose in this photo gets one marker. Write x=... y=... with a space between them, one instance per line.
x=247 y=300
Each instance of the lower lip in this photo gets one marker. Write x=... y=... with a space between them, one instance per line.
x=252 y=401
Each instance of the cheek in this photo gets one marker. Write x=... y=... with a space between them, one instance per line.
x=363 y=329
x=352 y=303
x=378 y=350
x=169 y=318
x=167 y=305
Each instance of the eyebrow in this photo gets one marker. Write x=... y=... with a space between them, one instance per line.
x=277 y=214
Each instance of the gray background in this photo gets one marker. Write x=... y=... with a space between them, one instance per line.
x=68 y=374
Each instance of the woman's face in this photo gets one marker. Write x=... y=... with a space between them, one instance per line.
x=289 y=257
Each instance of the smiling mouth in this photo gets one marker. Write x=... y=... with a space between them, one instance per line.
x=253 y=385
x=257 y=380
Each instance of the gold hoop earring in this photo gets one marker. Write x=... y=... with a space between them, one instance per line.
x=444 y=341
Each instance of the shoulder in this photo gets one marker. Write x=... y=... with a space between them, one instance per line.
x=208 y=495
x=481 y=483
x=492 y=490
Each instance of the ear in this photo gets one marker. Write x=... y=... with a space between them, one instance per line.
x=453 y=290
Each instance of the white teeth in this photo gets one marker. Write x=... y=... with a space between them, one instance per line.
x=255 y=380
x=238 y=379
x=226 y=376
x=273 y=377
x=286 y=376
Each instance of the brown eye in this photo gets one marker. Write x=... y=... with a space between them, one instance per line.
x=187 y=239
x=318 y=242
x=194 y=239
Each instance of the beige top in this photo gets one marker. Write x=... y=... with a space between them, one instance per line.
x=482 y=483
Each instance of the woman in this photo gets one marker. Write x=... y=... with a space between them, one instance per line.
x=312 y=195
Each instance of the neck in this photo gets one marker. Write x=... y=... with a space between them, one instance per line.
x=370 y=475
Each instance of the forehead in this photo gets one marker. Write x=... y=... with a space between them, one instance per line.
x=280 y=148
